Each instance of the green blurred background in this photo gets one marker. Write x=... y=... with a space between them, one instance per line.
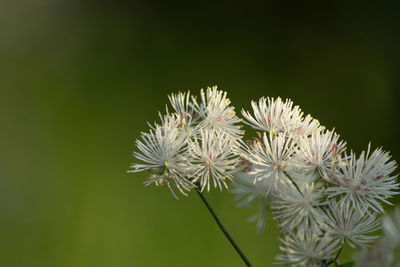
x=79 y=80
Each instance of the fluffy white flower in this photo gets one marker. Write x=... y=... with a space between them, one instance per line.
x=212 y=157
x=365 y=181
x=306 y=248
x=273 y=116
x=293 y=207
x=270 y=159
x=320 y=151
x=163 y=153
x=183 y=108
x=307 y=126
x=253 y=195
x=216 y=113
x=350 y=225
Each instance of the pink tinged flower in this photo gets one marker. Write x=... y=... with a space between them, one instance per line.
x=215 y=112
x=321 y=151
x=350 y=224
x=270 y=159
x=366 y=181
x=212 y=158
x=273 y=115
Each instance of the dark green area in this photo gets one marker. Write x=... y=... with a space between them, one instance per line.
x=79 y=80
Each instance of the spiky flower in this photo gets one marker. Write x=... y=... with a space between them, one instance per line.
x=163 y=152
x=307 y=247
x=350 y=225
x=216 y=113
x=183 y=108
x=270 y=158
x=365 y=181
x=273 y=116
x=320 y=151
x=293 y=208
x=212 y=158
x=195 y=142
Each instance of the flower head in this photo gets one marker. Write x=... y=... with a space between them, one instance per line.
x=270 y=159
x=183 y=108
x=293 y=208
x=216 y=113
x=163 y=152
x=307 y=247
x=350 y=225
x=320 y=151
x=273 y=115
x=365 y=181
x=212 y=158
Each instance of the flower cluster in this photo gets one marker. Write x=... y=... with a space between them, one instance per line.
x=195 y=144
x=320 y=195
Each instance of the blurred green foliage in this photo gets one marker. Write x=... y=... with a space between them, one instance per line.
x=79 y=80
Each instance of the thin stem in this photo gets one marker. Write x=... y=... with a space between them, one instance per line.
x=293 y=182
x=337 y=255
x=340 y=250
x=221 y=226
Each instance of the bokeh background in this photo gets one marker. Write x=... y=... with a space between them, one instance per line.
x=80 y=79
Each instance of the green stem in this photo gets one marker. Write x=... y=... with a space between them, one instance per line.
x=221 y=226
x=293 y=182
x=337 y=255
x=340 y=250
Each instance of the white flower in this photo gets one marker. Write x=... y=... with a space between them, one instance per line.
x=307 y=126
x=365 y=181
x=163 y=153
x=270 y=159
x=306 y=248
x=350 y=225
x=273 y=116
x=183 y=108
x=320 y=151
x=216 y=113
x=212 y=157
x=293 y=208
x=253 y=195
